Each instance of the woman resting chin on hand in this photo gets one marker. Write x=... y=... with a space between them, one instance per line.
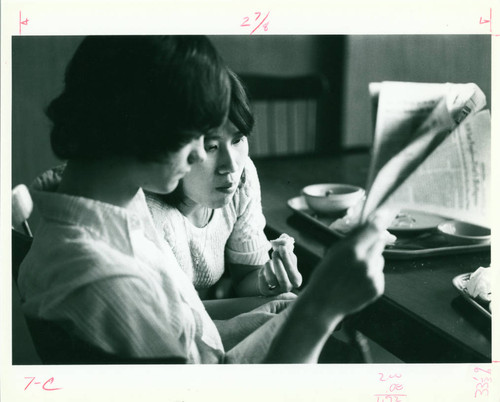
x=214 y=219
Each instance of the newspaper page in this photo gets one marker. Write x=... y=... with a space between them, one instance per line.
x=400 y=108
x=412 y=121
x=454 y=181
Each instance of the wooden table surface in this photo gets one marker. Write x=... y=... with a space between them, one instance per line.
x=421 y=317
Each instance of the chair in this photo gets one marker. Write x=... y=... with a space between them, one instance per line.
x=291 y=115
x=23 y=348
x=52 y=343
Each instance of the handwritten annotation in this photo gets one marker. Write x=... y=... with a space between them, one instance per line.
x=394 y=390
x=488 y=21
x=21 y=22
x=482 y=380
x=255 y=24
x=47 y=385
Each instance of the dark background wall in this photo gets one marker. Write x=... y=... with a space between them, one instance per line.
x=39 y=63
x=418 y=58
x=349 y=62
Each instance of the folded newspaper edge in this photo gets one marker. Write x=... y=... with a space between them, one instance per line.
x=448 y=113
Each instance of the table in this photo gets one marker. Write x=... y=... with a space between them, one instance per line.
x=421 y=318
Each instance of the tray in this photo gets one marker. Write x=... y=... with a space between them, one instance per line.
x=460 y=283
x=420 y=244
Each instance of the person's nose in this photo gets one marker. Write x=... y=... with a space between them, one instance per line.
x=228 y=162
x=198 y=153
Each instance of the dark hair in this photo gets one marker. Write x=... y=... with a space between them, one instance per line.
x=240 y=114
x=142 y=96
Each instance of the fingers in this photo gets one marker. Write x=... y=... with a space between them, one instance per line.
x=269 y=276
x=376 y=274
x=366 y=237
x=283 y=240
x=281 y=273
x=389 y=238
x=284 y=247
x=377 y=248
x=375 y=266
x=289 y=260
x=281 y=270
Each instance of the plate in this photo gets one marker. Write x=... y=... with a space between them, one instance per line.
x=410 y=221
x=460 y=283
x=464 y=233
x=299 y=206
x=412 y=244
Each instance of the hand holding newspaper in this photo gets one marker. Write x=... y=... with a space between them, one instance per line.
x=431 y=152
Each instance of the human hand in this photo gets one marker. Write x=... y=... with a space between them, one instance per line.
x=350 y=276
x=280 y=274
x=351 y=219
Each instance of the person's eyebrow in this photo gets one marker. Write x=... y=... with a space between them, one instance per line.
x=217 y=135
x=212 y=136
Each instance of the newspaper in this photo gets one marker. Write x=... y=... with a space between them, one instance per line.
x=431 y=151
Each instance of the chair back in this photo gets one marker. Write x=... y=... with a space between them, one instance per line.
x=22 y=206
x=56 y=346
x=291 y=115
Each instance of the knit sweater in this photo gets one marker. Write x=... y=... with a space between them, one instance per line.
x=234 y=234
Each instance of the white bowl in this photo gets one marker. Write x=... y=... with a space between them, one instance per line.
x=332 y=198
x=464 y=233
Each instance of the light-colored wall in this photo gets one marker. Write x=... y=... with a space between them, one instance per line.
x=419 y=58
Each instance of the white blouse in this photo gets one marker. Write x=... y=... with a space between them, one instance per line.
x=234 y=234
x=104 y=273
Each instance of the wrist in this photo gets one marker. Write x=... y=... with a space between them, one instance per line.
x=303 y=334
x=323 y=314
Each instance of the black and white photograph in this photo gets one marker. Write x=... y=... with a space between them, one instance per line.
x=294 y=204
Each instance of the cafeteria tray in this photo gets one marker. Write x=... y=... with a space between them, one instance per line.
x=422 y=244
x=460 y=283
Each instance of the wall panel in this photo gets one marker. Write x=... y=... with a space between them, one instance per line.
x=419 y=58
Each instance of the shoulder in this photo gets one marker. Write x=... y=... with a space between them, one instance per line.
x=167 y=219
x=156 y=202
x=249 y=189
x=161 y=211
x=70 y=255
x=251 y=176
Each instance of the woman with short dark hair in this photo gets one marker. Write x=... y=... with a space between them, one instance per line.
x=132 y=116
x=138 y=96
x=213 y=221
